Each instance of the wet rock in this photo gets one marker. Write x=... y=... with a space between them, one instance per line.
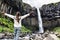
x=52 y=32
x=2 y=35
x=58 y=35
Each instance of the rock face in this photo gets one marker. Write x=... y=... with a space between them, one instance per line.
x=48 y=13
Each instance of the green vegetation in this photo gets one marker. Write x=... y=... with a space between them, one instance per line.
x=0 y=29
x=6 y=23
x=7 y=26
x=24 y=29
x=57 y=29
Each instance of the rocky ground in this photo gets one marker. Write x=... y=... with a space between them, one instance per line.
x=34 y=36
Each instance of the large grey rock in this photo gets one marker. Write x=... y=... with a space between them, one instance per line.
x=2 y=35
x=51 y=37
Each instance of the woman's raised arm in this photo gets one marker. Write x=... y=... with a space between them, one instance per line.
x=11 y=16
x=32 y=12
x=25 y=16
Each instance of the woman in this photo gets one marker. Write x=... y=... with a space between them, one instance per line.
x=17 y=22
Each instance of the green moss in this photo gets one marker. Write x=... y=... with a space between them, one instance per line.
x=0 y=29
x=57 y=29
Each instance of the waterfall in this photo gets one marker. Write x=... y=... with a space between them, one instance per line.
x=41 y=30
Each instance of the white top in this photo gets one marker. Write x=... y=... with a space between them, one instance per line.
x=16 y=24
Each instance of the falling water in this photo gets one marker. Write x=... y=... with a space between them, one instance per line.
x=41 y=30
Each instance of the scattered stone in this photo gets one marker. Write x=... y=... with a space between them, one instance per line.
x=20 y=38
x=52 y=32
x=44 y=36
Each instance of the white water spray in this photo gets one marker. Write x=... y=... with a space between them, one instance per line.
x=38 y=4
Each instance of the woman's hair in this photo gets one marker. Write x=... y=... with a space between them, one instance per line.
x=17 y=16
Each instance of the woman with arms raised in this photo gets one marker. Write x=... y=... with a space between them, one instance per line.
x=17 y=22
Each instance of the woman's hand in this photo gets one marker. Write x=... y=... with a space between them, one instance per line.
x=32 y=13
